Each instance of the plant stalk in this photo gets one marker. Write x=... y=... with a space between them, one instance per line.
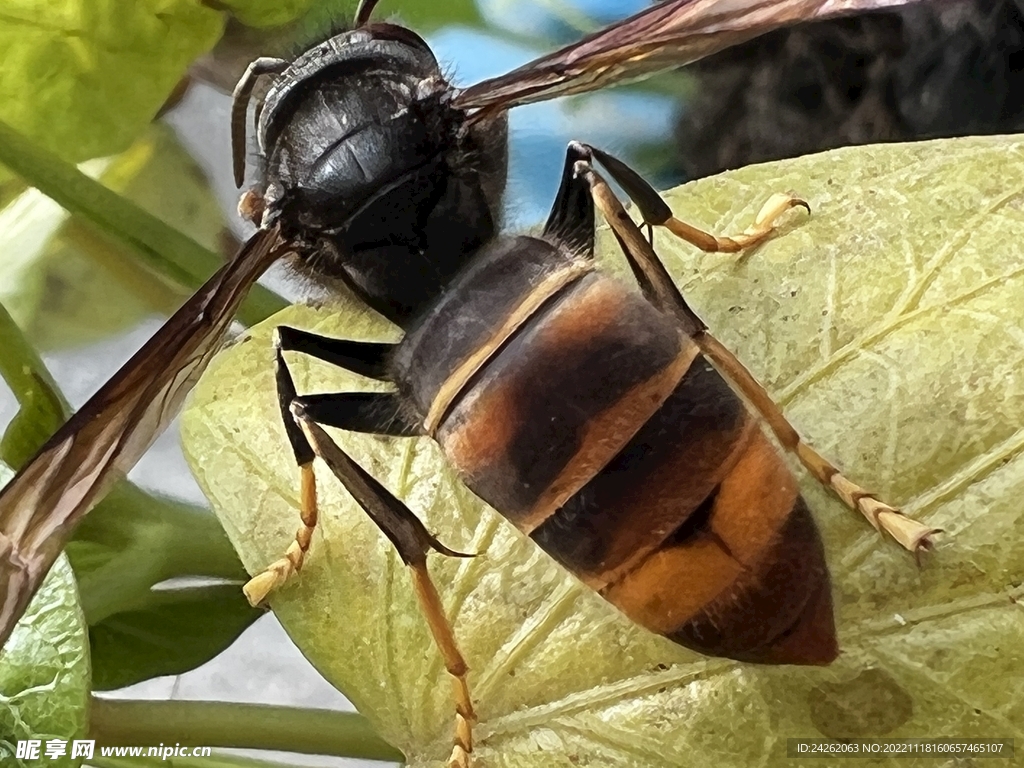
x=163 y=249
x=42 y=407
x=120 y=722
x=214 y=761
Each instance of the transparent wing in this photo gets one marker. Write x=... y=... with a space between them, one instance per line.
x=667 y=35
x=99 y=444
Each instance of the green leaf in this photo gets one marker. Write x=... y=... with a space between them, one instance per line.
x=888 y=325
x=124 y=548
x=67 y=284
x=83 y=77
x=44 y=670
x=178 y=630
x=135 y=541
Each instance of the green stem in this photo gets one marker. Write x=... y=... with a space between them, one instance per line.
x=42 y=407
x=123 y=267
x=244 y=726
x=163 y=249
x=218 y=761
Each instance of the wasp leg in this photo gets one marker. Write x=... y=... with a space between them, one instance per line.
x=571 y=221
x=413 y=542
x=363 y=412
x=366 y=358
x=656 y=213
x=657 y=285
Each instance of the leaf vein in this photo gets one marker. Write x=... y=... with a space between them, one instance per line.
x=608 y=694
x=529 y=635
x=877 y=333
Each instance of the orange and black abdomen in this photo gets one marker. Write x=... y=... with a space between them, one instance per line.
x=586 y=417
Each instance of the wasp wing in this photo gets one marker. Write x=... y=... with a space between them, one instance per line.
x=41 y=505
x=668 y=35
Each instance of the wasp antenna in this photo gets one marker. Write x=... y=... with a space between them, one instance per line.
x=266 y=65
x=364 y=10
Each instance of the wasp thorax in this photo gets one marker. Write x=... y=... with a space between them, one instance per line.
x=373 y=178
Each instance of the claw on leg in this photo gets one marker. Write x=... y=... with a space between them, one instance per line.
x=760 y=230
x=656 y=212
x=912 y=535
x=278 y=572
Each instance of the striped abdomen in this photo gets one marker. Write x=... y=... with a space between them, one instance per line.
x=586 y=418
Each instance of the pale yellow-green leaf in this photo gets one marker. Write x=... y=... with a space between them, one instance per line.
x=890 y=324
x=82 y=77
